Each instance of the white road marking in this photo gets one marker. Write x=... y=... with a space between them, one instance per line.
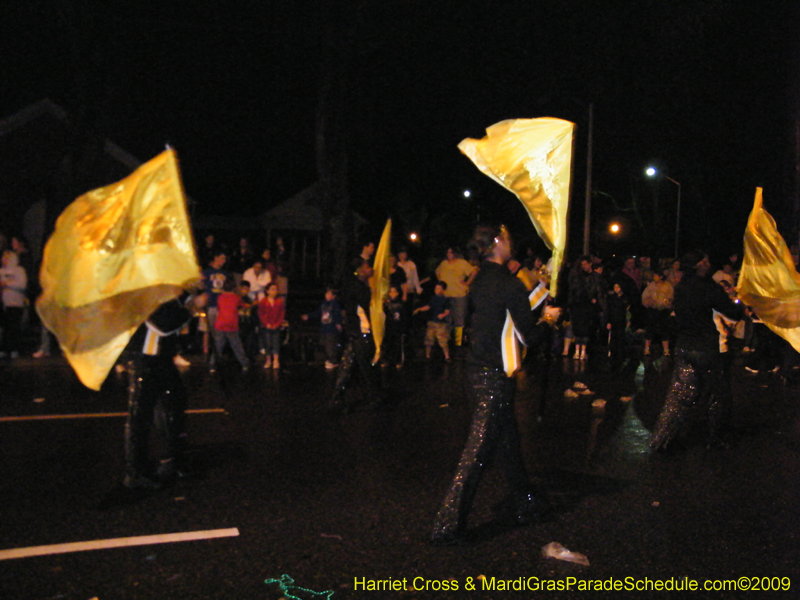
x=194 y=411
x=143 y=540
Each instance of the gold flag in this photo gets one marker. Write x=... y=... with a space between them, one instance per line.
x=533 y=159
x=379 y=284
x=116 y=254
x=768 y=281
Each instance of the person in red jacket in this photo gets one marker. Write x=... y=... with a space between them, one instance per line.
x=226 y=326
x=272 y=315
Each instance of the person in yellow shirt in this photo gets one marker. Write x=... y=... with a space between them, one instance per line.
x=458 y=274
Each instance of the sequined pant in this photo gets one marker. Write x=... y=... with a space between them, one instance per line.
x=698 y=382
x=152 y=381
x=493 y=436
x=359 y=350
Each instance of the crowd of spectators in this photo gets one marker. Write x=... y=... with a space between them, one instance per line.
x=617 y=307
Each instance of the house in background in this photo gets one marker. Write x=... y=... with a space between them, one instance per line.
x=296 y=224
x=46 y=161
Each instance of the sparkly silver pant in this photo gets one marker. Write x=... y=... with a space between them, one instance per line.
x=493 y=435
x=698 y=382
x=153 y=380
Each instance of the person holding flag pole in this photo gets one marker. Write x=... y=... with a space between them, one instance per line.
x=530 y=157
x=112 y=272
x=362 y=300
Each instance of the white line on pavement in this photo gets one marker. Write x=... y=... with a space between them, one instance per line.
x=195 y=411
x=143 y=540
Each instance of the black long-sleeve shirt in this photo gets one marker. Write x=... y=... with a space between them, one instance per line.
x=695 y=300
x=494 y=294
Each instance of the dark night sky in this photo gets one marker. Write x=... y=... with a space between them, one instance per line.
x=700 y=86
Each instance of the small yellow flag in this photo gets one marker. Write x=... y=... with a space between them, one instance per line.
x=116 y=254
x=768 y=281
x=533 y=159
x=379 y=284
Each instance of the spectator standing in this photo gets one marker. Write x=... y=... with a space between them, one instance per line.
x=616 y=316
x=226 y=326
x=14 y=285
x=396 y=327
x=242 y=257
x=259 y=278
x=657 y=302
x=586 y=302
x=272 y=318
x=214 y=278
x=457 y=274
x=438 y=331
x=330 y=318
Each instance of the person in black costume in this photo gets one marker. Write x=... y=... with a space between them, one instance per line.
x=495 y=294
x=359 y=346
x=698 y=378
x=154 y=379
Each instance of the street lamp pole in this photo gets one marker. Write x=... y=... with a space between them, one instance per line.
x=652 y=172
x=677 y=215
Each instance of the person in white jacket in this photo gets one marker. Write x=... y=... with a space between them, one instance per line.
x=13 y=283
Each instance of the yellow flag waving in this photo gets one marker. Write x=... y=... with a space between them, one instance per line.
x=533 y=159
x=116 y=254
x=379 y=284
x=768 y=280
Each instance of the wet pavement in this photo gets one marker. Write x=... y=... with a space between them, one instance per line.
x=345 y=504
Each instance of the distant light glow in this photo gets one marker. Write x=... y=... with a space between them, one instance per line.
x=614 y=228
x=467 y=193
x=650 y=171
x=413 y=236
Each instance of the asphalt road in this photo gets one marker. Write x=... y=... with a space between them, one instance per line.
x=345 y=504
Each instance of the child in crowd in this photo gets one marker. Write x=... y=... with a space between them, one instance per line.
x=438 y=309
x=616 y=316
x=396 y=326
x=248 y=326
x=271 y=315
x=226 y=326
x=329 y=314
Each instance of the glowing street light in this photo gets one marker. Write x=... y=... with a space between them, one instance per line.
x=652 y=172
x=467 y=193
x=614 y=228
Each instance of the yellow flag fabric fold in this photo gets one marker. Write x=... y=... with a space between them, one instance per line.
x=116 y=254
x=768 y=281
x=532 y=158
x=379 y=284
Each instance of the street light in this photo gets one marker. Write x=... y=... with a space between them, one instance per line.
x=652 y=172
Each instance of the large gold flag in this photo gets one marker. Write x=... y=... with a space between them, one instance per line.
x=116 y=254
x=379 y=284
x=533 y=159
x=768 y=281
